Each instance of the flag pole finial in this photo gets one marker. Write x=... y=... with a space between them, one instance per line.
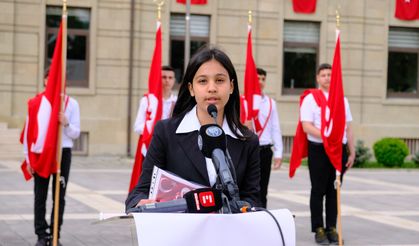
x=65 y=7
x=250 y=16
x=159 y=4
x=337 y=19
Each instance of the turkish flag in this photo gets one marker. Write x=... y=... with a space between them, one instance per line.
x=154 y=109
x=252 y=92
x=333 y=116
x=300 y=144
x=193 y=1
x=29 y=134
x=243 y=109
x=304 y=6
x=407 y=9
x=40 y=136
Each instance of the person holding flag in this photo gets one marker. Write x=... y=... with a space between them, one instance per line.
x=269 y=136
x=322 y=171
x=70 y=120
x=169 y=100
x=53 y=122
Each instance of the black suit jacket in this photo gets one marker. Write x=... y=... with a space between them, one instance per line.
x=180 y=154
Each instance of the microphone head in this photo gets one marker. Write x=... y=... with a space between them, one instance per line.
x=212 y=110
x=211 y=137
x=204 y=200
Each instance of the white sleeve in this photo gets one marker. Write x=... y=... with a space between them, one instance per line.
x=73 y=129
x=348 y=113
x=276 y=131
x=141 y=114
x=306 y=111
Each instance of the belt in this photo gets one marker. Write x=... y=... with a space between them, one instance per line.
x=266 y=146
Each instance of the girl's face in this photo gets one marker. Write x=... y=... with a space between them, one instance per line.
x=211 y=85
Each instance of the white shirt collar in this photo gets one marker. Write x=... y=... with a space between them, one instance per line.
x=191 y=123
x=172 y=98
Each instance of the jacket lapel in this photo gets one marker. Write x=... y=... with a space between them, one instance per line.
x=189 y=143
x=235 y=148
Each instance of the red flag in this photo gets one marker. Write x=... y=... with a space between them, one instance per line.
x=252 y=91
x=300 y=147
x=42 y=124
x=407 y=9
x=154 y=108
x=29 y=134
x=202 y=2
x=333 y=117
x=243 y=109
x=304 y=6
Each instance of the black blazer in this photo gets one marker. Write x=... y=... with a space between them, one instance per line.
x=180 y=154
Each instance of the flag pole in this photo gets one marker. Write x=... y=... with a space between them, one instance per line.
x=60 y=126
x=338 y=174
x=187 y=52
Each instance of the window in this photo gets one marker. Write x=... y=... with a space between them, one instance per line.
x=301 y=45
x=402 y=71
x=81 y=144
x=78 y=26
x=199 y=36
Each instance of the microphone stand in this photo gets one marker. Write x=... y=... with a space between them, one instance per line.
x=225 y=183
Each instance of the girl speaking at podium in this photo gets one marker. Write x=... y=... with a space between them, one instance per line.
x=210 y=78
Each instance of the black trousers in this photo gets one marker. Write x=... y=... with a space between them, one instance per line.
x=266 y=154
x=322 y=177
x=41 y=194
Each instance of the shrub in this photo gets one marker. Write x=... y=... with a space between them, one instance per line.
x=408 y=164
x=415 y=158
x=362 y=154
x=390 y=151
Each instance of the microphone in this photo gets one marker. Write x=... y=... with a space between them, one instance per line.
x=212 y=143
x=212 y=110
x=211 y=137
x=203 y=200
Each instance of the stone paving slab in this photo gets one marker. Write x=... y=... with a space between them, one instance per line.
x=380 y=207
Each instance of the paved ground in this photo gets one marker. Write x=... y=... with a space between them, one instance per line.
x=380 y=207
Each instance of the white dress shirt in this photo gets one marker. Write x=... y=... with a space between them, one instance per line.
x=271 y=135
x=72 y=131
x=191 y=123
x=311 y=112
x=168 y=105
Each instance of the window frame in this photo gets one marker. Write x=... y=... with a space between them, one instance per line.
x=182 y=38
x=403 y=94
x=287 y=44
x=73 y=84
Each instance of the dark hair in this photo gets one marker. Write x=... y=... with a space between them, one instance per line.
x=46 y=73
x=167 y=68
x=186 y=102
x=323 y=66
x=261 y=71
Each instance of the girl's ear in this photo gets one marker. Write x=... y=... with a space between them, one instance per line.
x=191 y=89
x=231 y=86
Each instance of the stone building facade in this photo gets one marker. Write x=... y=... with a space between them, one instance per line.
x=110 y=70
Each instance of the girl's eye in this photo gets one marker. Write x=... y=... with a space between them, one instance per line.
x=220 y=81
x=202 y=81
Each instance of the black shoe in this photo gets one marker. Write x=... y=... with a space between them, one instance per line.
x=333 y=236
x=43 y=241
x=320 y=236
